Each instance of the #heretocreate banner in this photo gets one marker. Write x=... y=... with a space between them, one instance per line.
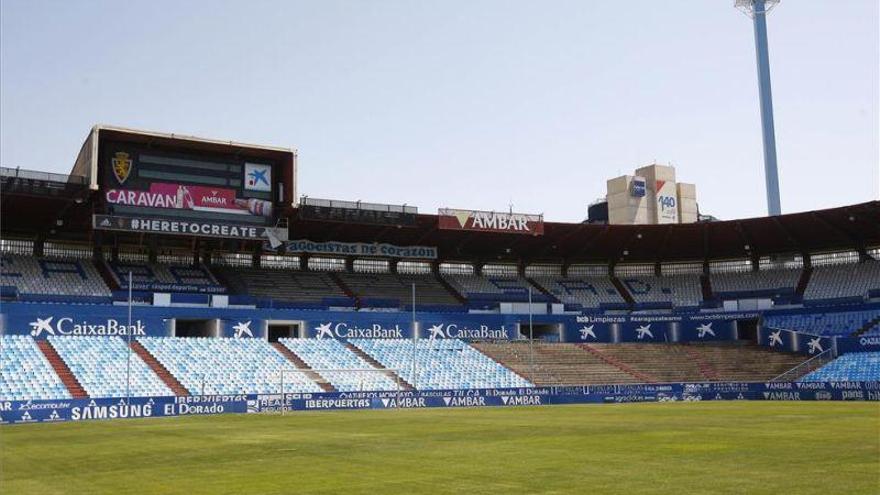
x=187 y=227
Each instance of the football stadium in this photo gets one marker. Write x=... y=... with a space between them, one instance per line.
x=179 y=316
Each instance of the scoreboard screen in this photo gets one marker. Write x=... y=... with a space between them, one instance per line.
x=168 y=184
x=144 y=181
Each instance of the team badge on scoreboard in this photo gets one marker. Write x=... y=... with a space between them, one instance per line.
x=257 y=177
x=122 y=166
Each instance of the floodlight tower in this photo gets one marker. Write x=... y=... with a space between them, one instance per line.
x=757 y=10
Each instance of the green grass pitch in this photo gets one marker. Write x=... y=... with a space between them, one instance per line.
x=709 y=447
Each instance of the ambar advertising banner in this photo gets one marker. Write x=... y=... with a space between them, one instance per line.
x=491 y=221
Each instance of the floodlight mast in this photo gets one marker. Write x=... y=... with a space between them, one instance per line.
x=757 y=10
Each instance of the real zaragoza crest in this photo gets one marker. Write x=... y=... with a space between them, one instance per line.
x=122 y=166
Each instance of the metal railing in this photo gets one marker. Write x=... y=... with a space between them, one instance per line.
x=19 y=173
x=356 y=205
x=807 y=366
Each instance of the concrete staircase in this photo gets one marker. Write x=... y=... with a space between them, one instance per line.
x=67 y=377
x=867 y=326
x=594 y=364
x=345 y=288
x=622 y=290
x=803 y=281
x=403 y=384
x=159 y=369
x=325 y=385
x=542 y=289
x=552 y=364
x=613 y=361
x=452 y=290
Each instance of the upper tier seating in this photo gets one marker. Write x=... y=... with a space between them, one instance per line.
x=440 y=364
x=396 y=290
x=166 y=278
x=832 y=282
x=836 y=323
x=48 y=276
x=855 y=367
x=330 y=354
x=589 y=292
x=764 y=282
x=99 y=364
x=495 y=289
x=680 y=290
x=227 y=366
x=286 y=285
x=25 y=373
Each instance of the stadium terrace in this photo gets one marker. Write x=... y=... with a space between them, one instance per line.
x=407 y=309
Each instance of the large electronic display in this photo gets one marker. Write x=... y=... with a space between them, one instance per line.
x=138 y=181
x=168 y=184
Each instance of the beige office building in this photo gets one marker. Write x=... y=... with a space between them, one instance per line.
x=651 y=196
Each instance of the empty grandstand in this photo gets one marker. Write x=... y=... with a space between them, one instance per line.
x=45 y=279
x=339 y=365
x=850 y=280
x=440 y=364
x=105 y=367
x=306 y=288
x=584 y=287
x=828 y=322
x=25 y=373
x=388 y=290
x=859 y=366
x=225 y=301
x=227 y=366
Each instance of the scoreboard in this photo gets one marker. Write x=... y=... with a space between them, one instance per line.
x=168 y=184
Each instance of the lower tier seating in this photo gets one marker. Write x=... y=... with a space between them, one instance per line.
x=555 y=364
x=100 y=366
x=745 y=362
x=25 y=373
x=328 y=354
x=860 y=366
x=441 y=364
x=577 y=364
x=227 y=366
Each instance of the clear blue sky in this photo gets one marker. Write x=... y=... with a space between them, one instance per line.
x=470 y=104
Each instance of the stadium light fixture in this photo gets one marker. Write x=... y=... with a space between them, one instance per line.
x=757 y=10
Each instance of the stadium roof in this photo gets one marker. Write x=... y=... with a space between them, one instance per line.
x=60 y=207
x=849 y=227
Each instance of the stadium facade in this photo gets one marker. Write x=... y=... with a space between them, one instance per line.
x=171 y=266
